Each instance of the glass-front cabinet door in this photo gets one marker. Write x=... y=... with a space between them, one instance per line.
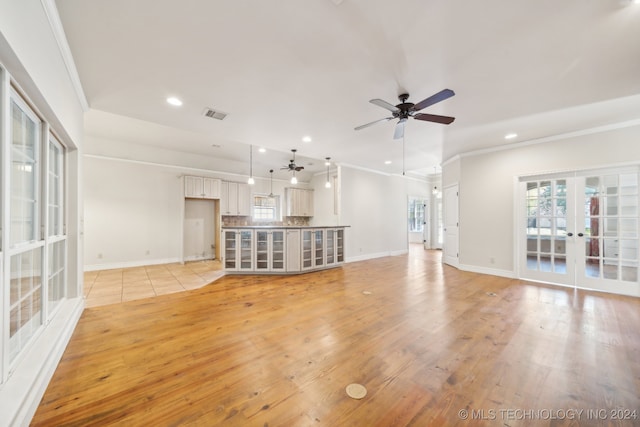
x=318 y=257
x=246 y=250
x=277 y=250
x=262 y=250
x=230 y=249
x=307 y=249
x=331 y=246
x=340 y=245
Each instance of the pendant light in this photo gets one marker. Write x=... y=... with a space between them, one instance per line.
x=327 y=164
x=271 y=196
x=251 y=181
x=435 y=187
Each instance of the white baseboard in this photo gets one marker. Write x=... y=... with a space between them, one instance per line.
x=199 y=258
x=130 y=264
x=23 y=391
x=485 y=270
x=375 y=255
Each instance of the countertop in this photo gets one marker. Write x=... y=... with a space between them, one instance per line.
x=301 y=227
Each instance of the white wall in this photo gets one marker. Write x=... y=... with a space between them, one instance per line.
x=134 y=207
x=133 y=214
x=375 y=207
x=487 y=188
x=324 y=199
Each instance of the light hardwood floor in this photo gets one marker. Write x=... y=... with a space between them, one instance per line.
x=432 y=345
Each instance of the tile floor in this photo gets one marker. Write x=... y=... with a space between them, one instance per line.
x=105 y=287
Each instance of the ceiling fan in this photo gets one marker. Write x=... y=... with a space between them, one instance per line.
x=405 y=109
x=292 y=164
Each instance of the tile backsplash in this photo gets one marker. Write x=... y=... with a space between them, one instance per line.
x=239 y=221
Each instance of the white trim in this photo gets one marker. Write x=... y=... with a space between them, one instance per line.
x=51 y=11
x=578 y=287
x=490 y=271
x=560 y=136
x=376 y=255
x=419 y=178
x=21 y=394
x=450 y=160
x=622 y=167
x=5 y=194
x=129 y=264
x=183 y=168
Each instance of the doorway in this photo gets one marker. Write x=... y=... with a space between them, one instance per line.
x=450 y=226
x=581 y=230
x=200 y=236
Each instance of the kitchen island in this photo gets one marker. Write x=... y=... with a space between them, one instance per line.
x=281 y=249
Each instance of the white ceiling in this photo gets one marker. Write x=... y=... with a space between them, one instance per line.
x=289 y=68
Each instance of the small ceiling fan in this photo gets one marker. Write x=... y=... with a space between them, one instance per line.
x=292 y=164
x=405 y=109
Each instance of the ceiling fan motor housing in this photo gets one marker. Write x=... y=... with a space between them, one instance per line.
x=404 y=106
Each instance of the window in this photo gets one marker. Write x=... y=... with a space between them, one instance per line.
x=56 y=188
x=25 y=269
x=416 y=215
x=25 y=142
x=56 y=244
x=266 y=208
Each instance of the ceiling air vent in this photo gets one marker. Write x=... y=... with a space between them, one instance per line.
x=208 y=112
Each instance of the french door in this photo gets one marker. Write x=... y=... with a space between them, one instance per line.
x=582 y=230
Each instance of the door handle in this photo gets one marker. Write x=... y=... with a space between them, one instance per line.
x=580 y=234
x=569 y=234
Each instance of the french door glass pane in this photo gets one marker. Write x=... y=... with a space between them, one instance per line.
x=611 y=219
x=546 y=211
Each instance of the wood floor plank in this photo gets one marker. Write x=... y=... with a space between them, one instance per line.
x=426 y=340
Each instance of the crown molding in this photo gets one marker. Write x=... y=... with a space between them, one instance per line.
x=51 y=11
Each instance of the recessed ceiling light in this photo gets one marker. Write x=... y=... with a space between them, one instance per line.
x=388 y=162
x=262 y=150
x=306 y=139
x=511 y=136
x=174 y=101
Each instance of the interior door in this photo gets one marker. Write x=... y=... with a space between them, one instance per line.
x=608 y=234
x=451 y=226
x=582 y=230
x=548 y=247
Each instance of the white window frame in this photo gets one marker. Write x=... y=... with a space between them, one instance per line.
x=276 y=216
x=36 y=242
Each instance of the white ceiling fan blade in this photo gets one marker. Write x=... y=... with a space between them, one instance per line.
x=373 y=123
x=385 y=105
x=399 y=132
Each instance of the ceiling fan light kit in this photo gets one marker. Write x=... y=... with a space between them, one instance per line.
x=405 y=109
x=327 y=184
x=292 y=167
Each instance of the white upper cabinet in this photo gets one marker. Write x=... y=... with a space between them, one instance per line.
x=211 y=188
x=235 y=199
x=199 y=187
x=299 y=202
